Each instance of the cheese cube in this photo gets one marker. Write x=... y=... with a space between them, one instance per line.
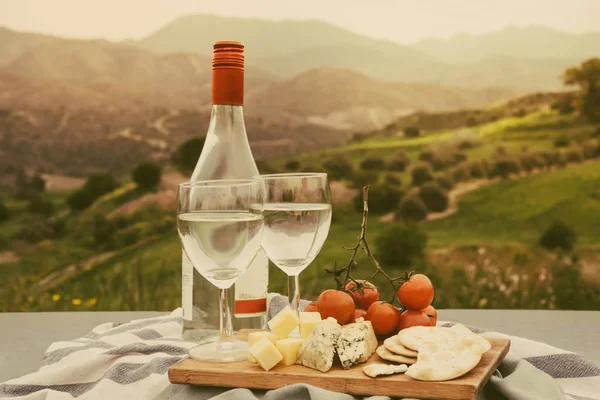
x=284 y=322
x=308 y=320
x=289 y=349
x=265 y=353
x=254 y=337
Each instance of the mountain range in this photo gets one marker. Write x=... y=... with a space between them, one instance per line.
x=66 y=104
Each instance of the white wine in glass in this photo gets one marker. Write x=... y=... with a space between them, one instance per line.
x=297 y=213
x=220 y=224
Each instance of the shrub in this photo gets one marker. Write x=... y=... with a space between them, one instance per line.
x=590 y=149
x=549 y=158
x=4 y=212
x=382 y=199
x=471 y=121
x=421 y=174
x=187 y=154
x=392 y=179
x=564 y=105
x=363 y=178
x=399 y=162
x=264 y=167
x=338 y=167
x=80 y=199
x=434 y=197
x=412 y=131
x=292 y=165
x=34 y=229
x=412 y=208
x=147 y=175
x=561 y=159
x=102 y=229
x=504 y=167
x=37 y=184
x=467 y=144
x=575 y=155
x=401 y=245
x=461 y=173
x=478 y=170
x=99 y=184
x=39 y=205
x=459 y=157
x=373 y=163
x=501 y=150
x=558 y=235
x=520 y=113
x=445 y=181
x=427 y=155
x=561 y=141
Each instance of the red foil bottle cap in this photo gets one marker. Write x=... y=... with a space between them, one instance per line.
x=228 y=73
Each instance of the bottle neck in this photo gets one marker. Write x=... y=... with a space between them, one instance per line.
x=228 y=86
x=227 y=122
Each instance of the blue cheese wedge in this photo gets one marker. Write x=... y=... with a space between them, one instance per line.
x=318 y=349
x=357 y=343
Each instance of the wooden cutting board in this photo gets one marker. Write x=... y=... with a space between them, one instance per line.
x=353 y=381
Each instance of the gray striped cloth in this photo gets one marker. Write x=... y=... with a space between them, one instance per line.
x=130 y=361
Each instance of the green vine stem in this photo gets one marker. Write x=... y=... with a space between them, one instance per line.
x=343 y=275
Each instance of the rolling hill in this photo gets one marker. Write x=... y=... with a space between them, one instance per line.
x=524 y=59
x=531 y=42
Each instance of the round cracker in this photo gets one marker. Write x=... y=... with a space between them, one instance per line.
x=387 y=355
x=393 y=344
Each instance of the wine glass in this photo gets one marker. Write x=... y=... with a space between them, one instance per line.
x=297 y=214
x=220 y=224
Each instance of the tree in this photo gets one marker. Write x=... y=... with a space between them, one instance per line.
x=399 y=162
x=421 y=174
x=434 y=197
x=80 y=199
x=338 y=167
x=363 y=178
x=373 y=163
x=412 y=208
x=37 y=184
x=392 y=179
x=38 y=205
x=587 y=77
x=4 y=213
x=99 y=184
x=401 y=245
x=559 y=235
x=505 y=166
x=187 y=154
x=147 y=175
x=292 y=165
x=412 y=131
x=445 y=181
x=382 y=199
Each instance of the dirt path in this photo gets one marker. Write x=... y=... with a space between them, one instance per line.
x=159 y=124
x=455 y=194
x=8 y=257
x=62 y=182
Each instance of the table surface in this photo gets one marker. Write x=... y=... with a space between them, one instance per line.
x=25 y=336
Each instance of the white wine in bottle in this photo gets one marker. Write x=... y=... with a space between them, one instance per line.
x=226 y=155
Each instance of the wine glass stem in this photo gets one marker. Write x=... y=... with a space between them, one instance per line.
x=294 y=292
x=225 y=318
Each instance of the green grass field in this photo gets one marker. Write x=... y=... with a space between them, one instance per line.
x=509 y=215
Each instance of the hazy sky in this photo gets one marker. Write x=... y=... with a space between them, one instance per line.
x=399 y=20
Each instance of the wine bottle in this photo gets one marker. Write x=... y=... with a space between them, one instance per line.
x=226 y=155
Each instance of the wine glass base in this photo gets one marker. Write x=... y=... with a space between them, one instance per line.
x=229 y=351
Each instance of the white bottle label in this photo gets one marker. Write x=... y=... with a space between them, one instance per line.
x=187 y=274
x=251 y=288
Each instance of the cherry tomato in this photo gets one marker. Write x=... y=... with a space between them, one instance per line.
x=359 y=313
x=336 y=304
x=431 y=313
x=371 y=294
x=312 y=307
x=416 y=293
x=383 y=316
x=413 y=318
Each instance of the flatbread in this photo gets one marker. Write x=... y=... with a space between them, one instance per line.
x=389 y=356
x=443 y=365
x=477 y=340
x=393 y=344
x=434 y=339
x=375 y=370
